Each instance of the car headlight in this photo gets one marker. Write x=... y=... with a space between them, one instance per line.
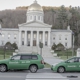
x=54 y=64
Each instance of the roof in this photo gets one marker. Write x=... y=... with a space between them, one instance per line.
x=35 y=7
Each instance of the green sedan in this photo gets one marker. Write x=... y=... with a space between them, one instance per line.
x=72 y=64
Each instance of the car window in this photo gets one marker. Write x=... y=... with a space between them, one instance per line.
x=34 y=57
x=16 y=57
x=25 y=57
x=79 y=59
x=73 y=60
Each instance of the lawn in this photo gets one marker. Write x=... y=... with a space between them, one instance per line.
x=7 y=53
x=65 y=54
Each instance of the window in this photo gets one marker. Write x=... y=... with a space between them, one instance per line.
x=22 y=42
x=41 y=18
x=73 y=60
x=40 y=36
x=59 y=37
x=35 y=18
x=9 y=36
x=2 y=35
x=15 y=36
x=28 y=43
x=65 y=44
x=29 y=36
x=53 y=38
x=23 y=35
x=34 y=36
x=46 y=36
x=16 y=57
x=2 y=43
x=30 y=17
x=45 y=43
x=34 y=57
x=38 y=17
x=65 y=38
x=25 y=57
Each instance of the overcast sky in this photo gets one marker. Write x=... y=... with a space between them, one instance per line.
x=12 y=4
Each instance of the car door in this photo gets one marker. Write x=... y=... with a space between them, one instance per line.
x=72 y=64
x=14 y=62
x=25 y=61
x=79 y=64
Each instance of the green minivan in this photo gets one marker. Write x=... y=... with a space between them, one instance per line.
x=72 y=64
x=32 y=62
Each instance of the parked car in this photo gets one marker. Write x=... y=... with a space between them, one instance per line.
x=32 y=62
x=72 y=64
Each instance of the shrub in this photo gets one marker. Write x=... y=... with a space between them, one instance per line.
x=60 y=47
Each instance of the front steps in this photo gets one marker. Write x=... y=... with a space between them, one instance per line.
x=35 y=49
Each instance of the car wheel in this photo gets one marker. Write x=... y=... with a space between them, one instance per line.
x=61 y=69
x=33 y=68
x=3 y=68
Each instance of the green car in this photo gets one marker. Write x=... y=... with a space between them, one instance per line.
x=72 y=64
x=32 y=62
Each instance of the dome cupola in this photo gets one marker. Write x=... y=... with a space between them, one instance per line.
x=35 y=12
x=35 y=7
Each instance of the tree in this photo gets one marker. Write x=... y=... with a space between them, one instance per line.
x=74 y=22
x=62 y=16
x=54 y=47
x=8 y=45
x=60 y=46
x=14 y=45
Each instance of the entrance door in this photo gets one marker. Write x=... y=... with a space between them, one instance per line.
x=34 y=42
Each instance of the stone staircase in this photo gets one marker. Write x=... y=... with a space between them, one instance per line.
x=46 y=52
x=35 y=49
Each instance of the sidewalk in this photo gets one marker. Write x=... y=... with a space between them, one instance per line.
x=52 y=60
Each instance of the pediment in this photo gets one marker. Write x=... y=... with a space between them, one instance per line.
x=34 y=24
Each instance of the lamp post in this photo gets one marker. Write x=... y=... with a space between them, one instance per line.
x=72 y=43
x=41 y=46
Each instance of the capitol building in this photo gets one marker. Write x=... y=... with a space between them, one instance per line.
x=28 y=35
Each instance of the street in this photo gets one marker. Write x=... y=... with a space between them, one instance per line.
x=43 y=74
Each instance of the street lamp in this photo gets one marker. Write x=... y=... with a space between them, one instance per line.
x=41 y=46
x=72 y=43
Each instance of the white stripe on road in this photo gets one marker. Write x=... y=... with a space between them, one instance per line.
x=45 y=76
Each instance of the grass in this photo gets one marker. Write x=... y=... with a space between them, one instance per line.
x=47 y=66
x=7 y=53
x=6 y=57
x=65 y=57
x=63 y=54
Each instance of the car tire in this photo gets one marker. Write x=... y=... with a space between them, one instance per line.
x=61 y=69
x=3 y=68
x=33 y=68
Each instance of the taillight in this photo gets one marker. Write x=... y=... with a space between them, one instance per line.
x=42 y=61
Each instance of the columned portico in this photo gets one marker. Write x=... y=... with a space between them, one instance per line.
x=37 y=38
x=48 y=38
x=33 y=38
x=43 y=37
x=31 y=41
x=25 y=43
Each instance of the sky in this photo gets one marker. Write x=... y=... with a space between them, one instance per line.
x=12 y=4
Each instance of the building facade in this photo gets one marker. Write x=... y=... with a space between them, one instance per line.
x=30 y=34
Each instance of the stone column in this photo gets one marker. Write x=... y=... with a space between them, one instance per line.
x=31 y=40
x=37 y=38
x=43 y=37
x=20 y=38
x=48 y=38
x=25 y=39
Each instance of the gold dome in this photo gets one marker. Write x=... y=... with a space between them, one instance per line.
x=35 y=7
